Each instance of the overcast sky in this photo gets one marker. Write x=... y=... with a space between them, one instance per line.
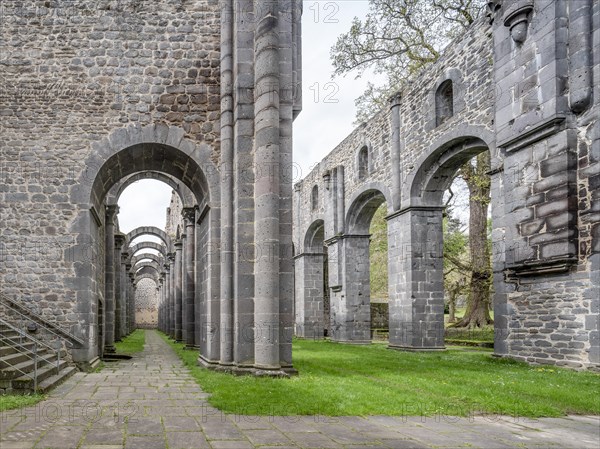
x=326 y=118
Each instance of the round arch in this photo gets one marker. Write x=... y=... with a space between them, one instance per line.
x=314 y=237
x=147 y=245
x=435 y=170
x=122 y=153
x=149 y=230
x=363 y=205
x=151 y=276
x=184 y=193
x=141 y=265
x=150 y=271
x=156 y=258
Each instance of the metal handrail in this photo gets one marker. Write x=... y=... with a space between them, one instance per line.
x=26 y=313
x=36 y=355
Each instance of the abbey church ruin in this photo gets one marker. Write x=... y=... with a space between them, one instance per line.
x=202 y=95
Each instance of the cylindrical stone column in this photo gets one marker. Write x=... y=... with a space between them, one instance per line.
x=189 y=216
x=161 y=304
x=266 y=186
x=183 y=288
x=119 y=305
x=396 y=149
x=178 y=308
x=340 y=204
x=171 y=292
x=124 y=295
x=131 y=302
x=109 y=279
x=227 y=196
x=129 y=292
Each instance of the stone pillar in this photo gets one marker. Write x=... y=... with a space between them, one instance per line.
x=163 y=287
x=131 y=288
x=178 y=303
x=226 y=320
x=109 y=279
x=416 y=287
x=350 y=290
x=266 y=186
x=396 y=149
x=128 y=293
x=189 y=216
x=171 y=257
x=119 y=281
x=124 y=296
x=309 y=295
x=183 y=286
x=168 y=309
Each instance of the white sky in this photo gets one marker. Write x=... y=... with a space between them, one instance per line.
x=326 y=118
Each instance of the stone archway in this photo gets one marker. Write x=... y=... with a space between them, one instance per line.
x=149 y=230
x=310 y=284
x=127 y=152
x=415 y=235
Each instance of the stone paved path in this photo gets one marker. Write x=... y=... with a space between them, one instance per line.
x=152 y=402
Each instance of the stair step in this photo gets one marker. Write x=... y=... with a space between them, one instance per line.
x=9 y=334
x=10 y=349
x=25 y=382
x=21 y=356
x=16 y=371
x=56 y=379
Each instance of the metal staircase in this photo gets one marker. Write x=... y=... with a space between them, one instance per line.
x=33 y=351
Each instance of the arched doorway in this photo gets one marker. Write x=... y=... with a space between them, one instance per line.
x=106 y=168
x=415 y=235
x=312 y=305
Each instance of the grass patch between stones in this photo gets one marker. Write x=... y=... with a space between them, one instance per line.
x=338 y=379
x=131 y=344
x=15 y=401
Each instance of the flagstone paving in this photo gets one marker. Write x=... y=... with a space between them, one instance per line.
x=151 y=401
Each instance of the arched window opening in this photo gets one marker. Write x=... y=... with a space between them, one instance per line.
x=363 y=163
x=444 y=102
x=314 y=198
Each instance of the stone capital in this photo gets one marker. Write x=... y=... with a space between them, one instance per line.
x=111 y=211
x=395 y=100
x=189 y=215
x=119 y=240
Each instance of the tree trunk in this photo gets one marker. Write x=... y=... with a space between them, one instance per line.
x=478 y=300
x=452 y=308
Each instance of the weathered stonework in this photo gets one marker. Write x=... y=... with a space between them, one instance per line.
x=98 y=94
x=525 y=88
x=146 y=304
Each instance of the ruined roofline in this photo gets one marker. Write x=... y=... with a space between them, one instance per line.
x=406 y=90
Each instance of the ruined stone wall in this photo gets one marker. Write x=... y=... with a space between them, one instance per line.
x=526 y=88
x=70 y=74
x=174 y=217
x=548 y=130
x=469 y=63
x=146 y=304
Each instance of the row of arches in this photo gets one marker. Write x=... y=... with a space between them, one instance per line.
x=333 y=264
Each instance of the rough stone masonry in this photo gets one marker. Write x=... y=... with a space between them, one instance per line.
x=201 y=94
x=197 y=93
x=523 y=84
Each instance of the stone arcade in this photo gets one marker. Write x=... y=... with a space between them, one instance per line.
x=201 y=94
x=524 y=85
x=196 y=93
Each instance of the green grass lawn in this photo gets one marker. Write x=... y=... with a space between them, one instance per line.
x=340 y=379
x=131 y=344
x=13 y=401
